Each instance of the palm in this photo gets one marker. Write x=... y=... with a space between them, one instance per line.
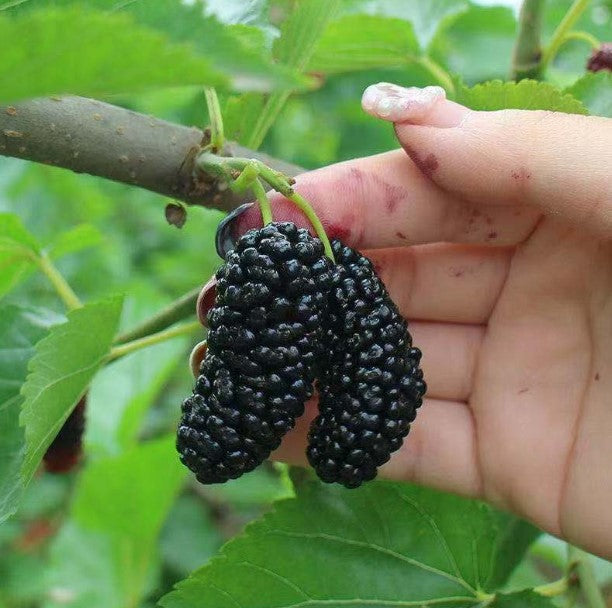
x=539 y=398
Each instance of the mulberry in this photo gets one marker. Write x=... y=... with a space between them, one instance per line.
x=370 y=385
x=601 y=58
x=65 y=450
x=264 y=339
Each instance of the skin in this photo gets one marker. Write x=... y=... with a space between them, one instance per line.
x=493 y=234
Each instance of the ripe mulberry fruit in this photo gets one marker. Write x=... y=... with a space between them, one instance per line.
x=264 y=340
x=65 y=450
x=370 y=385
x=601 y=59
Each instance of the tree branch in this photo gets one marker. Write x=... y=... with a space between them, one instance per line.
x=527 y=56
x=89 y=136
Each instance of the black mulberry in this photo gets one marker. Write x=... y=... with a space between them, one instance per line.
x=370 y=385
x=264 y=339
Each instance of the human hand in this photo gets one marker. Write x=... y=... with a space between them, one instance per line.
x=493 y=235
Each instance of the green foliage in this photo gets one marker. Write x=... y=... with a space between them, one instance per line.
x=124 y=528
x=595 y=92
x=385 y=543
x=21 y=328
x=55 y=383
x=103 y=554
x=359 y=42
x=525 y=95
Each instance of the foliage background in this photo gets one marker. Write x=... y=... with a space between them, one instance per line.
x=129 y=524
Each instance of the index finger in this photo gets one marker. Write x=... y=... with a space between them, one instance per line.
x=385 y=201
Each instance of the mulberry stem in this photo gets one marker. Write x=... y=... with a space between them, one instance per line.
x=63 y=289
x=264 y=203
x=221 y=167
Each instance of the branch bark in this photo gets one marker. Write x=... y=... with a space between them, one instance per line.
x=89 y=136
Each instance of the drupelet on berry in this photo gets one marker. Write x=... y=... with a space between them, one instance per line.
x=370 y=384
x=263 y=343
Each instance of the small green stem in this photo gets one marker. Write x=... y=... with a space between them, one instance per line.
x=221 y=166
x=176 y=311
x=582 y=36
x=439 y=73
x=162 y=336
x=63 y=289
x=553 y=589
x=272 y=108
x=580 y=561
x=566 y=24
x=217 y=138
x=264 y=203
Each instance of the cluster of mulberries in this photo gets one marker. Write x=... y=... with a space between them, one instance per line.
x=284 y=316
x=263 y=344
x=371 y=384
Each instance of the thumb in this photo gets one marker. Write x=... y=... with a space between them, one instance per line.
x=559 y=163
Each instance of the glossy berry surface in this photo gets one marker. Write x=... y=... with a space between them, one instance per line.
x=370 y=384
x=264 y=340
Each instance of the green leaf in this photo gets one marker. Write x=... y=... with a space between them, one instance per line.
x=18 y=251
x=525 y=95
x=360 y=42
x=105 y=551
x=122 y=392
x=385 y=543
x=300 y=34
x=21 y=328
x=246 y=65
x=477 y=44
x=65 y=362
x=87 y=52
x=595 y=92
x=73 y=240
x=425 y=17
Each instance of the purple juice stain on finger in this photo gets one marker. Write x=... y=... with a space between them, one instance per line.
x=226 y=236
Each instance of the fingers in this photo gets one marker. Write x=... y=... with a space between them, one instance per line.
x=439 y=452
x=385 y=201
x=558 y=163
x=450 y=353
x=443 y=282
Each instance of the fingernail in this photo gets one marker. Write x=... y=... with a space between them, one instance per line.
x=400 y=104
x=197 y=356
x=225 y=239
x=206 y=300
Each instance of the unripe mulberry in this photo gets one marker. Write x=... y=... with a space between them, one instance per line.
x=370 y=384
x=601 y=58
x=264 y=339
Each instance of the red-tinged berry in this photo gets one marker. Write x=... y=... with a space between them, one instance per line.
x=601 y=58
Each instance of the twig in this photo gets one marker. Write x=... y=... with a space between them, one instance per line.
x=562 y=31
x=176 y=311
x=89 y=136
x=527 y=56
x=162 y=336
